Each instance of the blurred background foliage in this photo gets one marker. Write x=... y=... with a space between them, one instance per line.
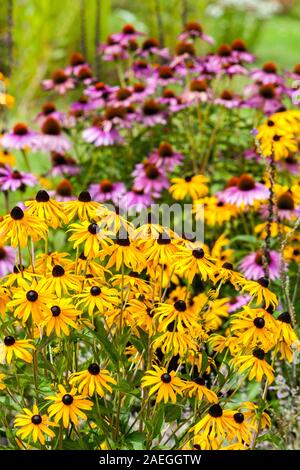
x=37 y=36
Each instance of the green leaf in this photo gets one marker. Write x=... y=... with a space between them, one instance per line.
x=101 y=335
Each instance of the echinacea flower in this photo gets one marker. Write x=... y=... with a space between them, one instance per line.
x=49 y=110
x=20 y=138
x=67 y=406
x=151 y=113
x=33 y=424
x=245 y=192
x=194 y=30
x=93 y=380
x=165 y=384
x=63 y=164
x=11 y=180
x=166 y=157
x=107 y=190
x=255 y=365
x=7 y=260
x=59 y=81
x=17 y=226
x=102 y=133
x=150 y=178
x=252 y=266
x=267 y=74
x=127 y=34
x=18 y=348
x=51 y=139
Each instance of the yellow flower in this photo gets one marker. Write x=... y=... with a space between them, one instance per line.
x=260 y=292
x=18 y=226
x=254 y=327
x=280 y=145
x=2 y=384
x=68 y=406
x=124 y=251
x=93 y=379
x=31 y=423
x=160 y=250
x=165 y=384
x=188 y=263
x=286 y=336
x=7 y=158
x=215 y=212
x=47 y=209
x=97 y=298
x=60 y=315
x=166 y=314
x=19 y=348
x=197 y=388
x=61 y=281
x=83 y=209
x=216 y=423
x=255 y=365
x=193 y=186
x=88 y=234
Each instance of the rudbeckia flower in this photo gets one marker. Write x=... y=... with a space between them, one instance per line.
x=19 y=348
x=216 y=212
x=243 y=431
x=215 y=424
x=93 y=379
x=280 y=145
x=61 y=314
x=165 y=314
x=160 y=250
x=61 y=281
x=259 y=291
x=188 y=263
x=165 y=384
x=124 y=251
x=68 y=406
x=197 y=388
x=193 y=186
x=47 y=209
x=17 y=226
x=286 y=336
x=255 y=365
x=174 y=340
x=89 y=235
x=32 y=424
x=254 y=327
x=2 y=384
x=29 y=300
x=83 y=208
x=97 y=298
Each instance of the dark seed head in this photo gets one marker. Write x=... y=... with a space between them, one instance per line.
x=228 y=266
x=84 y=196
x=67 y=399
x=198 y=253
x=285 y=317
x=42 y=196
x=16 y=213
x=259 y=353
x=9 y=340
x=32 y=296
x=58 y=271
x=263 y=281
x=238 y=418
x=180 y=306
x=215 y=411
x=95 y=290
x=55 y=310
x=94 y=369
x=93 y=229
x=166 y=378
x=36 y=419
x=259 y=322
x=199 y=381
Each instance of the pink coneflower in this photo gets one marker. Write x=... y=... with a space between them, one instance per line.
x=77 y=61
x=63 y=192
x=136 y=199
x=166 y=157
x=268 y=74
x=150 y=178
x=286 y=207
x=198 y=91
x=63 y=165
x=140 y=92
x=225 y=56
x=174 y=103
x=112 y=50
x=7 y=260
x=122 y=96
x=127 y=34
x=228 y=100
x=265 y=97
x=49 y=110
x=100 y=92
x=244 y=191
x=11 y=180
x=295 y=74
x=234 y=69
x=151 y=113
x=210 y=66
x=252 y=266
x=193 y=30
x=20 y=138
x=85 y=75
x=236 y=303
x=83 y=105
x=142 y=69
x=240 y=52
x=290 y=164
x=60 y=82
x=163 y=75
x=102 y=133
x=107 y=191
x=51 y=139
x=150 y=47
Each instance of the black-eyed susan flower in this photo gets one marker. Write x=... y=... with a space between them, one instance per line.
x=4 y=298
x=254 y=328
x=165 y=314
x=196 y=388
x=17 y=226
x=255 y=365
x=18 y=348
x=165 y=384
x=188 y=263
x=132 y=281
x=61 y=314
x=259 y=291
x=172 y=340
x=34 y=425
x=285 y=336
x=243 y=431
x=124 y=250
x=194 y=186
x=214 y=211
x=160 y=250
x=89 y=235
x=83 y=208
x=46 y=209
x=2 y=384
x=253 y=417
x=93 y=380
x=60 y=281
x=68 y=406
x=46 y=262
x=97 y=298
x=280 y=145
x=215 y=424
x=29 y=300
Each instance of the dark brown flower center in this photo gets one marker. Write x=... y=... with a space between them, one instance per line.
x=269 y=67
x=224 y=50
x=106 y=186
x=115 y=112
x=122 y=94
x=76 y=59
x=267 y=91
x=286 y=202
x=166 y=378
x=238 y=45
x=94 y=369
x=215 y=411
x=36 y=419
x=64 y=188
x=259 y=322
x=20 y=129
x=297 y=69
x=165 y=150
x=138 y=87
x=246 y=183
x=59 y=77
x=239 y=418
x=226 y=95
x=150 y=43
x=193 y=26
x=198 y=253
x=151 y=107
x=263 y=281
x=259 y=353
x=9 y=340
x=51 y=127
x=128 y=29
x=48 y=108
x=260 y=256
x=180 y=306
x=84 y=196
x=16 y=213
x=42 y=196
x=165 y=72
x=58 y=271
x=285 y=317
x=198 y=85
x=185 y=48
x=151 y=171
x=84 y=73
x=55 y=310
x=67 y=399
